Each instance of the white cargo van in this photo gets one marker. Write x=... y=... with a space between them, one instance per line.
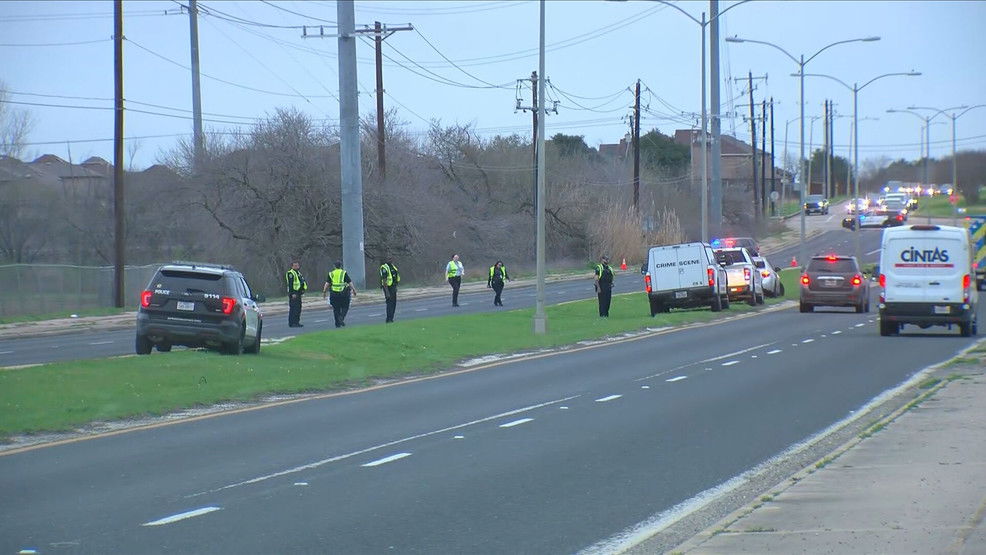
x=927 y=279
x=684 y=276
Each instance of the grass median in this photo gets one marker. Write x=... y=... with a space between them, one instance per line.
x=63 y=396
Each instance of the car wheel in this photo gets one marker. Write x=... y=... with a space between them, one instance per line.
x=655 y=307
x=781 y=293
x=725 y=301
x=965 y=329
x=254 y=349
x=164 y=347
x=236 y=347
x=143 y=345
x=889 y=328
x=716 y=304
x=805 y=307
x=752 y=301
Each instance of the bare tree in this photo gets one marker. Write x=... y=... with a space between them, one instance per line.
x=15 y=126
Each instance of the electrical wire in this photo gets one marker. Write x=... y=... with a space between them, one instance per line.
x=40 y=44
x=586 y=108
x=79 y=16
x=474 y=7
x=271 y=4
x=210 y=11
x=444 y=57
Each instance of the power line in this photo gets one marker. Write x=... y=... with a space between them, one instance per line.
x=586 y=108
x=444 y=57
x=475 y=7
x=210 y=11
x=39 y=44
x=306 y=16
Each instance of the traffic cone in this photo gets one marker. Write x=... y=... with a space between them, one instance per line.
x=794 y=262
x=623 y=266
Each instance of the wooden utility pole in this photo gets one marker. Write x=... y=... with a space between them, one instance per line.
x=763 y=158
x=773 y=186
x=381 y=151
x=534 y=134
x=118 y=206
x=193 y=35
x=753 y=157
x=636 y=146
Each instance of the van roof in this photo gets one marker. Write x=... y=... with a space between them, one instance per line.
x=923 y=229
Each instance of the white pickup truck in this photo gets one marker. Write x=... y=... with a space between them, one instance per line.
x=684 y=276
x=742 y=274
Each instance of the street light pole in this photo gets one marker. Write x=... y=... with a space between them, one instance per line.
x=540 y=316
x=704 y=141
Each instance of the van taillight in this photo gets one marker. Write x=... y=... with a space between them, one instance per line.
x=647 y=283
x=145 y=298
x=804 y=279
x=966 y=281
x=712 y=276
x=883 y=280
x=229 y=304
x=856 y=279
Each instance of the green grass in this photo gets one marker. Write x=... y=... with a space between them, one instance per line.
x=106 y=311
x=939 y=207
x=62 y=396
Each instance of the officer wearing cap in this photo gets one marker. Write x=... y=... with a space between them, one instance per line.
x=339 y=286
x=604 y=285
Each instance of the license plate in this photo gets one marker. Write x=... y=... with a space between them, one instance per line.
x=680 y=294
x=943 y=310
x=828 y=283
x=186 y=305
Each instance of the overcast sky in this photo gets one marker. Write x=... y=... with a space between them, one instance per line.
x=254 y=60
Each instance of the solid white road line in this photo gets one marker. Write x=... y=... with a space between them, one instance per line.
x=730 y=363
x=609 y=398
x=181 y=516
x=516 y=423
x=386 y=460
x=374 y=314
x=730 y=355
x=809 y=340
x=645 y=387
x=301 y=483
x=774 y=352
x=677 y=379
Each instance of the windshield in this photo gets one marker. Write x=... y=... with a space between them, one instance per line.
x=839 y=265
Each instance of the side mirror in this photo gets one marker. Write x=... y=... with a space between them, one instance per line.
x=777 y=269
x=260 y=297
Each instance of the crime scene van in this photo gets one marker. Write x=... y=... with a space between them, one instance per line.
x=684 y=276
x=927 y=279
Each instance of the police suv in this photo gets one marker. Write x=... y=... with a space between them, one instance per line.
x=199 y=305
x=684 y=276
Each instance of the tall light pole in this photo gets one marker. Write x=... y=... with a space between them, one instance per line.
x=926 y=179
x=801 y=61
x=540 y=316
x=855 y=88
x=953 y=116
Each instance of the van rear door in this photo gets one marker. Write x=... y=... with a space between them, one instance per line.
x=663 y=268
x=925 y=268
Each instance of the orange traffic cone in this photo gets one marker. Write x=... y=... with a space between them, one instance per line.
x=794 y=262
x=623 y=266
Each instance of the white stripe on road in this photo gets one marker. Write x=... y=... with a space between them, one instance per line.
x=860 y=325
x=807 y=340
x=100 y=342
x=836 y=332
x=677 y=379
x=516 y=423
x=5 y=352
x=181 y=516
x=730 y=355
x=609 y=398
x=423 y=309
x=774 y=352
x=321 y=320
x=645 y=387
x=873 y=252
x=730 y=363
x=386 y=460
x=374 y=314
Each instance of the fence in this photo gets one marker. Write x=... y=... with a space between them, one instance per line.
x=30 y=289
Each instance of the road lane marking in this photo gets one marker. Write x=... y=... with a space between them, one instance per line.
x=809 y=340
x=774 y=352
x=730 y=355
x=730 y=363
x=423 y=309
x=337 y=458
x=836 y=332
x=677 y=379
x=301 y=483
x=608 y=398
x=5 y=352
x=645 y=387
x=100 y=342
x=181 y=516
x=374 y=314
x=321 y=320
x=873 y=252
x=386 y=460
x=516 y=423
x=860 y=325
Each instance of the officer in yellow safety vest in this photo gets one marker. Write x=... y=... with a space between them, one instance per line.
x=339 y=286
x=296 y=288
x=604 y=285
x=453 y=272
x=498 y=275
x=389 y=278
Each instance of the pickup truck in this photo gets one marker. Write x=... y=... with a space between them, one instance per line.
x=742 y=275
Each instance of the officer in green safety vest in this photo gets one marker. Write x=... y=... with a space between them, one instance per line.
x=389 y=278
x=498 y=275
x=454 y=272
x=339 y=286
x=604 y=285
x=296 y=288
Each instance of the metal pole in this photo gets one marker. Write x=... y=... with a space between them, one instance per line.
x=773 y=163
x=705 y=154
x=540 y=317
x=193 y=32
x=955 y=187
x=636 y=147
x=855 y=169
x=715 y=193
x=349 y=148
x=118 y=201
x=927 y=148
x=381 y=131
x=802 y=248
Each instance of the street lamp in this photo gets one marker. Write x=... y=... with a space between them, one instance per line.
x=703 y=137
x=953 y=117
x=855 y=88
x=801 y=71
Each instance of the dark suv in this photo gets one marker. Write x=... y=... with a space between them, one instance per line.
x=834 y=281
x=817 y=204
x=199 y=305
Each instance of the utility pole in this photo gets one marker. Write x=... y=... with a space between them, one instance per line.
x=773 y=186
x=715 y=187
x=353 y=254
x=763 y=159
x=193 y=33
x=830 y=151
x=380 y=34
x=534 y=111
x=118 y=205
x=753 y=158
x=636 y=146
x=825 y=146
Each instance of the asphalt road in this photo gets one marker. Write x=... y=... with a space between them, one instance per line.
x=541 y=455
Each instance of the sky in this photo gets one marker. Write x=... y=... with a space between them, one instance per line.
x=462 y=61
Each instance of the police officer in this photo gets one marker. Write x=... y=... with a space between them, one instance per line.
x=604 y=285
x=453 y=272
x=296 y=288
x=498 y=275
x=389 y=278
x=339 y=296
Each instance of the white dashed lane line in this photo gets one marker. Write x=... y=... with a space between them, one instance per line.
x=181 y=516
x=323 y=320
x=5 y=352
x=609 y=398
x=730 y=363
x=836 y=332
x=100 y=342
x=386 y=460
x=516 y=423
x=422 y=309
x=809 y=340
x=677 y=379
x=774 y=352
x=859 y=325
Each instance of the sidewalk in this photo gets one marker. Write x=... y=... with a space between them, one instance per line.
x=918 y=485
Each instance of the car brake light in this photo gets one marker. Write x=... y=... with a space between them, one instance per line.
x=229 y=303
x=145 y=298
x=831 y=258
x=804 y=279
x=712 y=276
x=647 y=283
x=764 y=273
x=966 y=281
x=883 y=280
x=856 y=279
x=900 y=217
x=746 y=274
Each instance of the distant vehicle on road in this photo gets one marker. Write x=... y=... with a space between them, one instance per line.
x=745 y=281
x=871 y=219
x=772 y=286
x=684 y=276
x=749 y=243
x=834 y=280
x=857 y=205
x=816 y=204
x=199 y=305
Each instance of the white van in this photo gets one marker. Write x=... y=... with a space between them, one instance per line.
x=927 y=279
x=684 y=276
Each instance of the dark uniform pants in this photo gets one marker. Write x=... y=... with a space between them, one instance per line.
x=497 y=288
x=455 y=282
x=605 y=295
x=340 y=306
x=391 y=294
x=294 y=309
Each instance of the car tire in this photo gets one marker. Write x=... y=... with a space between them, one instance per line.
x=761 y=299
x=889 y=328
x=725 y=302
x=655 y=307
x=805 y=307
x=716 y=305
x=143 y=345
x=235 y=347
x=255 y=348
x=752 y=301
x=781 y=293
x=965 y=329
x=164 y=347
